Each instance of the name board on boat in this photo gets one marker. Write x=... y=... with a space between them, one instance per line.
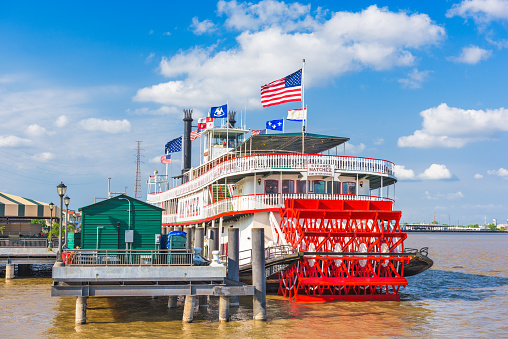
x=319 y=169
x=190 y=207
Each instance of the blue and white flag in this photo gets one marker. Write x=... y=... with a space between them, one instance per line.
x=219 y=112
x=174 y=145
x=276 y=125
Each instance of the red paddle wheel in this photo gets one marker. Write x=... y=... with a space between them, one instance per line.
x=359 y=232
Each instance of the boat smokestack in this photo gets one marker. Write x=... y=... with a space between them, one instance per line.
x=187 y=149
x=231 y=118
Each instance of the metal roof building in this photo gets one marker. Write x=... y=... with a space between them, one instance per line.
x=110 y=223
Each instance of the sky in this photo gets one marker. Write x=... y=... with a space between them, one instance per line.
x=422 y=84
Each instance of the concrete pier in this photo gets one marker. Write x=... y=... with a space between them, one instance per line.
x=234 y=260
x=213 y=243
x=81 y=310
x=9 y=271
x=199 y=239
x=188 y=230
x=258 y=274
x=224 y=309
x=172 y=301
x=188 y=309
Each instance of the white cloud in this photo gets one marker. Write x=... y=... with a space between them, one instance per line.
x=348 y=41
x=480 y=10
x=266 y=13
x=62 y=121
x=379 y=141
x=354 y=149
x=448 y=196
x=453 y=196
x=109 y=126
x=471 y=55
x=12 y=140
x=478 y=176
x=453 y=127
x=166 y=33
x=163 y=110
x=155 y=160
x=37 y=131
x=403 y=174
x=201 y=27
x=43 y=157
x=415 y=79
x=436 y=172
x=502 y=172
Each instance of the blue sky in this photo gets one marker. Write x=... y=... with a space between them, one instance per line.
x=422 y=84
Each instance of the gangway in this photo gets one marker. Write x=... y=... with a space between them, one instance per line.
x=277 y=259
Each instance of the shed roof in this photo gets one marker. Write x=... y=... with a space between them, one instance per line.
x=292 y=142
x=116 y=198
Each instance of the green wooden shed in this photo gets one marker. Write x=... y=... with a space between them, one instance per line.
x=109 y=223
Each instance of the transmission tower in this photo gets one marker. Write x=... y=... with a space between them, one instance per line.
x=137 y=185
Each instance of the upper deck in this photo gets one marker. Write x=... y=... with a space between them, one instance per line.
x=378 y=171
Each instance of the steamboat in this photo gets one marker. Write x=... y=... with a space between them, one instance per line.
x=336 y=211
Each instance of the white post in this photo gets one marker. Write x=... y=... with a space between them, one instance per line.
x=303 y=106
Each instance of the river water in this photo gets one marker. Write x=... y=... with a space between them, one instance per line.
x=465 y=294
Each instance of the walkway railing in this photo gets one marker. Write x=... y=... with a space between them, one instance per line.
x=29 y=242
x=116 y=257
x=268 y=162
x=252 y=202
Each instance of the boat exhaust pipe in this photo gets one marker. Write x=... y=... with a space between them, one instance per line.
x=187 y=149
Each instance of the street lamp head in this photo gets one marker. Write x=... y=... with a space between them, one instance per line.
x=67 y=200
x=51 y=206
x=61 y=188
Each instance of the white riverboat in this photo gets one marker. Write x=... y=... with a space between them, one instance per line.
x=315 y=201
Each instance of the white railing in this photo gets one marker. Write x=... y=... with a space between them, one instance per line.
x=252 y=202
x=263 y=162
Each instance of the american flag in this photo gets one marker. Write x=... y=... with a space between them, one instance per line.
x=287 y=89
x=257 y=132
x=195 y=134
x=166 y=159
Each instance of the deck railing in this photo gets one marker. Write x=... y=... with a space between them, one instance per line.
x=264 y=162
x=252 y=202
x=114 y=257
x=29 y=242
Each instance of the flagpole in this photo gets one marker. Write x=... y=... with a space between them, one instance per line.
x=227 y=125
x=303 y=106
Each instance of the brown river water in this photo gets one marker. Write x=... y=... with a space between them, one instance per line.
x=465 y=294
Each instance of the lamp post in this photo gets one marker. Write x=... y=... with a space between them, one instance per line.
x=61 y=188
x=51 y=206
x=66 y=201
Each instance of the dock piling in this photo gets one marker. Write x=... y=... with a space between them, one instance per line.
x=234 y=260
x=224 y=309
x=258 y=274
x=9 y=271
x=80 y=310
x=172 y=301
x=188 y=309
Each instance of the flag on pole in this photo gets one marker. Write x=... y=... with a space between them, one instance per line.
x=219 y=112
x=257 y=132
x=205 y=123
x=276 y=125
x=174 y=145
x=166 y=159
x=286 y=89
x=297 y=114
x=194 y=135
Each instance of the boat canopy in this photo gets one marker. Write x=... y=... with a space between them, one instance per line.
x=290 y=143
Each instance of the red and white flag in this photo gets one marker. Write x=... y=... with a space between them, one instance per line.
x=195 y=134
x=166 y=159
x=257 y=132
x=205 y=123
x=286 y=89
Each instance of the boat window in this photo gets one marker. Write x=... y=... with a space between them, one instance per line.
x=318 y=186
x=301 y=186
x=271 y=186
x=336 y=187
x=349 y=188
x=288 y=186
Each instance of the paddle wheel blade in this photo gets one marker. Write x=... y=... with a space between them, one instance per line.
x=357 y=228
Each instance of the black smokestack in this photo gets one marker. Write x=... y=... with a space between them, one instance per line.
x=231 y=117
x=186 y=137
